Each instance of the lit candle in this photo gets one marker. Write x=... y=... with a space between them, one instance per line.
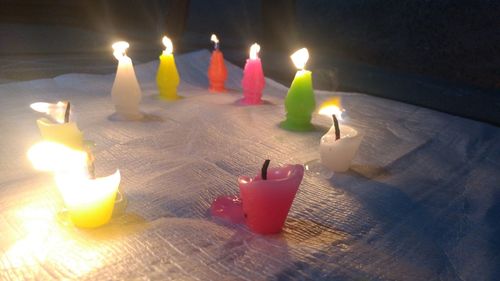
x=340 y=144
x=217 y=73
x=267 y=197
x=253 y=77
x=59 y=129
x=126 y=92
x=89 y=201
x=300 y=102
x=167 y=77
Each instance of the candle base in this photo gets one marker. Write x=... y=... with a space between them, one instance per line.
x=168 y=93
x=294 y=126
x=117 y=116
x=246 y=101
x=121 y=202
x=317 y=169
x=217 y=87
x=170 y=98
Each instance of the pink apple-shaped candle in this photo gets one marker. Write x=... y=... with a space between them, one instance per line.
x=253 y=78
x=267 y=198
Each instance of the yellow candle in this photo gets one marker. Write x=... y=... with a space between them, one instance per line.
x=65 y=133
x=167 y=77
x=90 y=202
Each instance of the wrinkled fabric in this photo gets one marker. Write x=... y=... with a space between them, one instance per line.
x=420 y=202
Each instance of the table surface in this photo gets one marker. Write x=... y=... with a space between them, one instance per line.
x=420 y=202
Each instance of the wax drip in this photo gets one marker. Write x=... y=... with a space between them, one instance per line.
x=337 y=129
x=264 y=169
x=66 y=113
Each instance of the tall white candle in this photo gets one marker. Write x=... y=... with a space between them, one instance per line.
x=126 y=92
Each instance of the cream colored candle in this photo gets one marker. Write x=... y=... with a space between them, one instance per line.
x=126 y=92
x=339 y=145
x=60 y=129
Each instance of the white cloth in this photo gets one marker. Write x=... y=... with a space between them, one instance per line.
x=421 y=201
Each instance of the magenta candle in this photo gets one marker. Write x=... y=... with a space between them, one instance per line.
x=266 y=202
x=253 y=78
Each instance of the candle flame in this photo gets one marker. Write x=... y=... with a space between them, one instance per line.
x=214 y=39
x=169 y=47
x=54 y=110
x=54 y=157
x=331 y=107
x=254 y=50
x=300 y=58
x=120 y=49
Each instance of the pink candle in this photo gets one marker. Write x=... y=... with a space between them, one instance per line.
x=253 y=78
x=266 y=202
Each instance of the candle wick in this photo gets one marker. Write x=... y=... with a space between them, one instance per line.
x=90 y=165
x=337 y=129
x=264 y=169
x=66 y=113
x=216 y=46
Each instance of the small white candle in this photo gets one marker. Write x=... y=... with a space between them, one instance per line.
x=58 y=111
x=337 y=154
x=126 y=92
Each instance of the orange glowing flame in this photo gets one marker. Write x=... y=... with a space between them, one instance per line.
x=331 y=107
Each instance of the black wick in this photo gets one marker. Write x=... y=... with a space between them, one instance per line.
x=90 y=165
x=66 y=113
x=264 y=169
x=337 y=129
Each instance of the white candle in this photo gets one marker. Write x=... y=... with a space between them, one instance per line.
x=337 y=153
x=58 y=111
x=59 y=129
x=126 y=92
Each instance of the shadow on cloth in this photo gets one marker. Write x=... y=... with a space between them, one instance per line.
x=145 y=118
x=126 y=224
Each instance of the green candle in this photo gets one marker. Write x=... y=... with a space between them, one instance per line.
x=300 y=102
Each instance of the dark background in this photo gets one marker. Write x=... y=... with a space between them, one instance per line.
x=442 y=54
